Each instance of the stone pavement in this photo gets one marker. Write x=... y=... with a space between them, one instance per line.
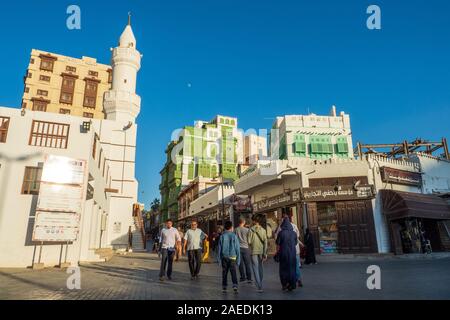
x=135 y=276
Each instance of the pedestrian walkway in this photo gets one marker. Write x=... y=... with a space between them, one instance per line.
x=135 y=276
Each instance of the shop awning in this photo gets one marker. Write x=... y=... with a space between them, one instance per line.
x=399 y=204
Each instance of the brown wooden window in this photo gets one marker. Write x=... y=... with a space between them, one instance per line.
x=31 y=180
x=44 y=78
x=42 y=93
x=67 y=89
x=64 y=111
x=93 y=73
x=31 y=61
x=109 y=75
x=4 y=125
x=90 y=93
x=71 y=69
x=49 y=134
x=24 y=105
x=27 y=89
x=47 y=64
x=88 y=115
x=100 y=158
x=94 y=146
x=40 y=105
x=29 y=74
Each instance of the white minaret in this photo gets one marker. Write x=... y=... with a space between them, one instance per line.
x=122 y=102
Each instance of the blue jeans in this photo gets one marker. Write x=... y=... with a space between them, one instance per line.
x=297 y=267
x=257 y=269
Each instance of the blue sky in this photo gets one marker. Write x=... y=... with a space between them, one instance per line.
x=254 y=60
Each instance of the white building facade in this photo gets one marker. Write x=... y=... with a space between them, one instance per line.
x=108 y=147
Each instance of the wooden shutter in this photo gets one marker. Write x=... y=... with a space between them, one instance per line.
x=313 y=224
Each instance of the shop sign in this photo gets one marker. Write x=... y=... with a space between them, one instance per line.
x=398 y=176
x=242 y=204
x=277 y=201
x=336 y=193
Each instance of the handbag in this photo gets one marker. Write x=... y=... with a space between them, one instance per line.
x=276 y=257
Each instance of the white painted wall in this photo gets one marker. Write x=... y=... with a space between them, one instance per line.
x=436 y=173
x=17 y=210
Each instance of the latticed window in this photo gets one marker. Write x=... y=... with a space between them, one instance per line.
x=299 y=145
x=31 y=180
x=67 y=89
x=342 y=145
x=64 y=111
x=47 y=64
x=90 y=94
x=40 y=105
x=44 y=78
x=71 y=69
x=191 y=171
x=49 y=134
x=321 y=145
x=4 y=125
x=42 y=92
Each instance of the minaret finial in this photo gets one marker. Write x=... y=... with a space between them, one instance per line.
x=129 y=18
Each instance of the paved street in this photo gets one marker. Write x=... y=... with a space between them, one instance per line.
x=135 y=276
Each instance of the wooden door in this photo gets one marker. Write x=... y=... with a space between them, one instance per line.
x=356 y=231
x=313 y=224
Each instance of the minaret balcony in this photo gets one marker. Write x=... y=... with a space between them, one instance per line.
x=127 y=56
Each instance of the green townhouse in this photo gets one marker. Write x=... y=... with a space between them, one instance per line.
x=212 y=150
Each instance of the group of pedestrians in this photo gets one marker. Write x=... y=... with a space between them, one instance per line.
x=244 y=249
x=172 y=242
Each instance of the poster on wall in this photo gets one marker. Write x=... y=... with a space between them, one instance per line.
x=60 y=200
x=56 y=226
x=63 y=170
x=57 y=197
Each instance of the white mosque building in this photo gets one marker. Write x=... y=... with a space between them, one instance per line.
x=104 y=186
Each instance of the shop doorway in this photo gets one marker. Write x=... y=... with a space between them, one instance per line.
x=342 y=226
x=415 y=233
x=327 y=227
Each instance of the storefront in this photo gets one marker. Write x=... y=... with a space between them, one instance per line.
x=416 y=220
x=272 y=209
x=340 y=215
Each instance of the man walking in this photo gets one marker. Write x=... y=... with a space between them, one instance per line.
x=169 y=239
x=229 y=255
x=245 y=267
x=257 y=241
x=193 y=240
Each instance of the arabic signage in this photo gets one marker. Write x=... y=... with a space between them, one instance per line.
x=336 y=193
x=398 y=176
x=277 y=201
x=60 y=199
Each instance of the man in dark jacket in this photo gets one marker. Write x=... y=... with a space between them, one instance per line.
x=229 y=256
